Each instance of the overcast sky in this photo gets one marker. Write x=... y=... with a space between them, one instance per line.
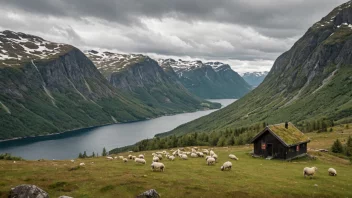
x=247 y=34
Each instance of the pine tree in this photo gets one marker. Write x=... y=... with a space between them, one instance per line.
x=80 y=155
x=349 y=147
x=85 y=154
x=337 y=147
x=93 y=155
x=104 y=153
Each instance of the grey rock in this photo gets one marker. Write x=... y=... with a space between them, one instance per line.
x=65 y=196
x=27 y=191
x=149 y=194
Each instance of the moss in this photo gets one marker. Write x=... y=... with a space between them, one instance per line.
x=291 y=135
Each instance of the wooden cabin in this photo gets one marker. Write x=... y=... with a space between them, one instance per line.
x=281 y=141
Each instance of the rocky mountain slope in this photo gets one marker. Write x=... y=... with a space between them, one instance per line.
x=142 y=77
x=213 y=80
x=47 y=87
x=254 y=78
x=311 y=80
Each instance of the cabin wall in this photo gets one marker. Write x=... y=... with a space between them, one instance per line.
x=293 y=152
x=278 y=149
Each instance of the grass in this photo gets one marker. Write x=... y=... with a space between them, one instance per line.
x=249 y=177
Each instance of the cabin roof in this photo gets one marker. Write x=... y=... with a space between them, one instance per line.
x=289 y=137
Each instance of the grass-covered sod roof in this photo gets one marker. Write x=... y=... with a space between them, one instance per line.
x=290 y=136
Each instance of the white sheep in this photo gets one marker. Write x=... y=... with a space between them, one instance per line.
x=129 y=157
x=82 y=164
x=194 y=150
x=200 y=154
x=309 y=171
x=160 y=156
x=215 y=156
x=231 y=156
x=109 y=158
x=141 y=156
x=171 y=158
x=115 y=157
x=158 y=166
x=205 y=151
x=194 y=155
x=125 y=160
x=332 y=172
x=212 y=153
x=187 y=153
x=206 y=157
x=72 y=161
x=210 y=161
x=183 y=156
x=121 y=157
x=134 y=157
x=140 y=161
x=155 y=159
x=226 y=166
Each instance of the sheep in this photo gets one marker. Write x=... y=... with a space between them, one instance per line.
x=309 y=171
x=215 y=156
x=332 y=172
x=82 y=164
x=160 y=156
x=140 y=161
x=194 y=150
x=205 y=151
x=110 y=158
x=72 y=161
x=206 y=157
x=158 y=166
x=226 y=166
x=187 y=153
x=171 y=158
x=125 y=160
x=184 y=157
x=155 y=159
x=212 y=153
x=129 y=157
x=200 y=154
x=194 y=155
x=121 y=157
x=175 y=153
x=141 y=156
x=231 y=156
x=210 y=161
x=134 y=157
x=115 y=157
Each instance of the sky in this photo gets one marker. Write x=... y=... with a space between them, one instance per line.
x=247 y=34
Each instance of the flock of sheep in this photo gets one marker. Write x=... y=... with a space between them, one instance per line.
x=210 y=157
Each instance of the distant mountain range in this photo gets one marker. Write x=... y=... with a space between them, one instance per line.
x=141 y=77
x=212 y=80
x=313 y=80
x=254 y=78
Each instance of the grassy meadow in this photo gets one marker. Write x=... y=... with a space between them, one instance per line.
x=249 y=177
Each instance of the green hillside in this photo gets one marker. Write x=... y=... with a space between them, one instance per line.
x=310 y=81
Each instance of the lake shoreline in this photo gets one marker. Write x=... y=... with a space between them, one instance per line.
x=92 y=127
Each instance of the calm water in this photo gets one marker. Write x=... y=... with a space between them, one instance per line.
x=68 y=145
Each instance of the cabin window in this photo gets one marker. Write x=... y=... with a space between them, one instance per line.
x=297 y=148
x=263 y=146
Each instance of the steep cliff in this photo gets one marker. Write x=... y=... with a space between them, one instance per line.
x=212 y=80
x=47 y=87
x=312 y=80
x=142 y=77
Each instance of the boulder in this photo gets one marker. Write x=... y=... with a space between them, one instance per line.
x=64 y=196
x=149 y=194
x=28 y=191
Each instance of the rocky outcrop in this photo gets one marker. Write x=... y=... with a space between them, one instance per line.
x=213 y=80
x=149 y=194
x=142 y=77
x=312 y=80
x=27 y=191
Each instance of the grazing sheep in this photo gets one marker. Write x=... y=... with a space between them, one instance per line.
x=140 y=161
x=210 y=161
x=141 y=156
x=160 y=156
x=134 y=157
x=215 y=156
x=183 y=156
x=121 y=157
x=158 y=166
x=82 y=164
x=200 y=154
x=109 y=158
x=129 y=157
x=206 y=157
x=194 y=150
x=205 y=151
x=231 y=156
x=309 y=171
x=194 y=155
x=181 y=149
x=171 y=158
x=212 y=153
x=175 y=153
x=332 y=172
x=226 y=166
x=187 y=153
x=115 y=157
x=125 y=160
x=155 y=159
x=72 y=161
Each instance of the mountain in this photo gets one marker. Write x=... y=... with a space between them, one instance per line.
x=254 y=78
x=312 y=80
x=213 y=80
x=47 y=87
x=142 y=77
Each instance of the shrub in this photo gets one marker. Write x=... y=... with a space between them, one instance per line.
x=337 y=147
x=7 y=156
